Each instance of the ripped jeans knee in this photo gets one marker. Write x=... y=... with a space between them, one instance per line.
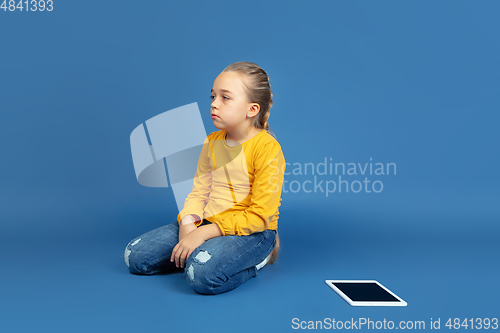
x=137 y=263
x=199 y=273
x=128 y=250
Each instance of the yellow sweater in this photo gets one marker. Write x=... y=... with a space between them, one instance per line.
x=238 y=188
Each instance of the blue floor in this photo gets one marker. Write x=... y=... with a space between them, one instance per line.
x=412 y=83
x=75 y=280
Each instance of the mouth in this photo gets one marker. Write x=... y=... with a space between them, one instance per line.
x=215 y=116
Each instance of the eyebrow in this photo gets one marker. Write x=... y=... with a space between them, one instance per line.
x=223 y=90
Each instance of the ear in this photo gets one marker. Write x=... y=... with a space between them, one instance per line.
x=254 y=110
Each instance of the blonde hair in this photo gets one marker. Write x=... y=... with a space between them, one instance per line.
x=258 y=90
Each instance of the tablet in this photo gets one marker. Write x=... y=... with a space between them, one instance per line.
x=365 y=293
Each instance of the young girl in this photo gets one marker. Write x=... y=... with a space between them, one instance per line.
x=228 y=228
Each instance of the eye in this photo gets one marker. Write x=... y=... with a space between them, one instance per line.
x=212 y=97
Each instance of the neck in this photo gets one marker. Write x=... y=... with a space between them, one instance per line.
x=242 y=137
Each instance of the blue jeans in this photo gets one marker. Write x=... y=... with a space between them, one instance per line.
x=218 y=265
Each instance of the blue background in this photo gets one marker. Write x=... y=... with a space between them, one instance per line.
x=413 y=83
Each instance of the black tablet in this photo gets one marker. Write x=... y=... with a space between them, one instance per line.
x=365 y=293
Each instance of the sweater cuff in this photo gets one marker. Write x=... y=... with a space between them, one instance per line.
x=197 y=223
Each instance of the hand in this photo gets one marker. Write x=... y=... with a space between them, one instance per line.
x=186 y=246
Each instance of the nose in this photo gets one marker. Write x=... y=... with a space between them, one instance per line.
x=213 y=105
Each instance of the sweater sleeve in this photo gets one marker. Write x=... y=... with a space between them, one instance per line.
x=198 y=198
x=269 y=169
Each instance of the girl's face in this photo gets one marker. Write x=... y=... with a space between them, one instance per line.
x=229 y=103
